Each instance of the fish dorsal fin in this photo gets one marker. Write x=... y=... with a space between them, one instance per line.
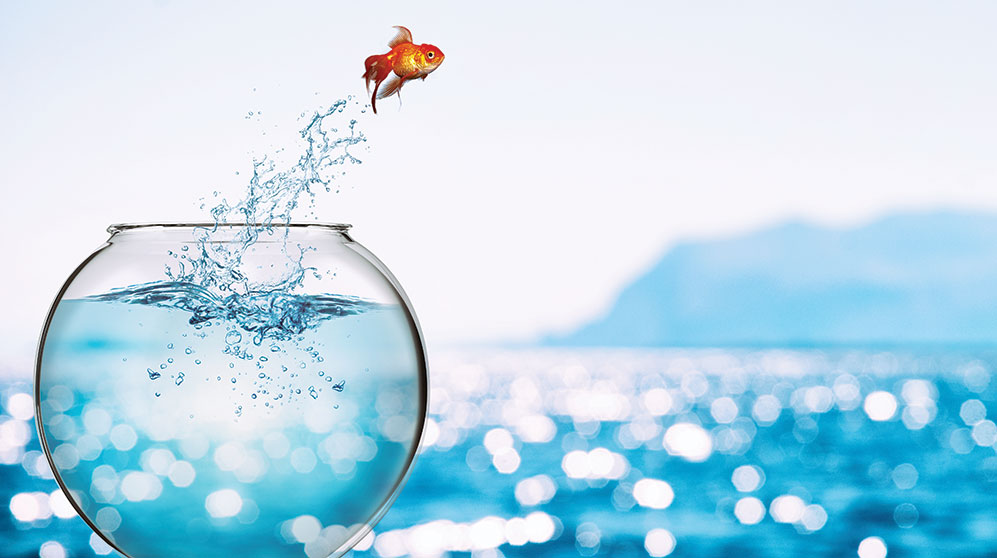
x=403 y=36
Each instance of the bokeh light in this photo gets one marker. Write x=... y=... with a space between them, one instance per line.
x=872 y=547
x=659 y=542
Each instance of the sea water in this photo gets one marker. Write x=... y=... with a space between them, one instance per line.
x=800 y=453
x=189 y=414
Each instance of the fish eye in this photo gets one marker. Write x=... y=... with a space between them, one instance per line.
x=430 y=54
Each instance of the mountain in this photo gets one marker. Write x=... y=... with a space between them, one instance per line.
x=906 y=279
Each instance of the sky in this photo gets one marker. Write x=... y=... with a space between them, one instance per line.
x=558 y=152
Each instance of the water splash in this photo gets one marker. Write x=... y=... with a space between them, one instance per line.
x=211 y=281
x=272 y=197
x=277 y=315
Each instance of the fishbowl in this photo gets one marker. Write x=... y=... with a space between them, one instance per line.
x=231 y=390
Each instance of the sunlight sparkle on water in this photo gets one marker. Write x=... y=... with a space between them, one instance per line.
x=533 y=491
x=659 y=542
x=872 y=547
x=223 y=503
x=749 y=511
x=747 y=478
x=787 y=508
x=21 y=406
x=880 y=405
x=689 y=441
x=98 y=545
x=653 y=493
x=52 y=549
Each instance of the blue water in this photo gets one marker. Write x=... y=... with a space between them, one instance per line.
x=161 y=414
x=495 y=473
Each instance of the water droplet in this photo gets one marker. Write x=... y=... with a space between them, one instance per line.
x=233 y=380
x=253 y=396
x=188 y=350
x=233 y=337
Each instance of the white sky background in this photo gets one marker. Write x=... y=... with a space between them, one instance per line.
x=558 y=151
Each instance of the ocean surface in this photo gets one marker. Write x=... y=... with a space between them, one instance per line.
x=587 y=452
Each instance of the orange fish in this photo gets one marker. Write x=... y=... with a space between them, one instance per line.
x=405 y=59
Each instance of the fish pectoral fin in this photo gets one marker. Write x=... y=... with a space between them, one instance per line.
x=403 y=36
x=391 y=86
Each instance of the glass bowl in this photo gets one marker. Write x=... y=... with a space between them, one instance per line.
x=237 y=390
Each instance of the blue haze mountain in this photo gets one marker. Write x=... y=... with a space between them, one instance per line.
x=927 y=278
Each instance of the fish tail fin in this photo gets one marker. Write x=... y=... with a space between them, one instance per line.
x=376 y=69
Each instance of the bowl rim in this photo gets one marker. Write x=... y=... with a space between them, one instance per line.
x=121 y=227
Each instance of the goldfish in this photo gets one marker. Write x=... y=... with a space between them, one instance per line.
x=405 y=60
